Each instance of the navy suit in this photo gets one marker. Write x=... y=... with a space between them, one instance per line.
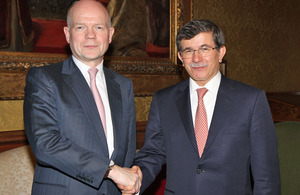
x=241 y=142
x=65 y=132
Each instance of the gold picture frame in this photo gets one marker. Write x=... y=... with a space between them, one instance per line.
x=146 y=73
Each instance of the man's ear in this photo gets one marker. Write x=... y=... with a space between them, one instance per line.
x=111 y=33
x=222 y=53
x=180 y=57
x=67 y=34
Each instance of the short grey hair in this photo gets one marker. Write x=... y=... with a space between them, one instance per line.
x=194 y=27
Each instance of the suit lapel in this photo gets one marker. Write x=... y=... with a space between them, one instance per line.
x=221 y=112
x=185 y=112
x=115 y=102
x=74 y=78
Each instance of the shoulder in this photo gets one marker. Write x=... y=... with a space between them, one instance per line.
x=239 y=90
x=235 y=85
x=48 y=68
x=173 y=90
x=41 y=72
x=110 y=74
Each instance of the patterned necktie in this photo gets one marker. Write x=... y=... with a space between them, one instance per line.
x=97 y=97
x=201 y=127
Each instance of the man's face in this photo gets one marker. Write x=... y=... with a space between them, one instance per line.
x=89 y=35
x=204 y=67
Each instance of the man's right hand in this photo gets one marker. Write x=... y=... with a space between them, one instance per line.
x=129 y=180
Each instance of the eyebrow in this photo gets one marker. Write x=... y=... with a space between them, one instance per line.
x=204 y=45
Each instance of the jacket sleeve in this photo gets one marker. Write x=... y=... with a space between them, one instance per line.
x=264 y=156
x=151 y=157
x=50 y=145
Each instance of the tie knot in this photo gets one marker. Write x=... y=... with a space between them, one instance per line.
x=93 y=72
x=201 y=92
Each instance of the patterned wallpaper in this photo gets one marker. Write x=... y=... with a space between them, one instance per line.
x=142 y=107
x=11 y=115
x=262 y=40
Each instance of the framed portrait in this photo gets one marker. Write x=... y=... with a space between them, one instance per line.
x=148 y=73
x=180 y=12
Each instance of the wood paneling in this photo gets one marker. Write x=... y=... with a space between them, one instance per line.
x=285 y=106
x=12 y=139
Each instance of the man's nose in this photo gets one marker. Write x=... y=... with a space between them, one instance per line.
x=197 y=57
x=90 y=34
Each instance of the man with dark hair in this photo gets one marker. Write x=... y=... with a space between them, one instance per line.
x=215 y=135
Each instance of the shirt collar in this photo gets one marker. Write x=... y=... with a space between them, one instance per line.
x=84 y=68
x=211 y=86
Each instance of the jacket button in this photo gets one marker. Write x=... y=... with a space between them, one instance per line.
x=200 y=171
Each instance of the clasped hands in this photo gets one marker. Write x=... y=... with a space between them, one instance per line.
x=129 y=180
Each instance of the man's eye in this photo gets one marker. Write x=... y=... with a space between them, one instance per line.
x=99 y=27
x=189 y=51
x=79 y=27
x=204 y=48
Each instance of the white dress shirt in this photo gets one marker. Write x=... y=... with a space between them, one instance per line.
x=101 y=85
x=209 y=98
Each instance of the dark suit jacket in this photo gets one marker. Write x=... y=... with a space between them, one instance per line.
x=241 y=143
x=65 y=132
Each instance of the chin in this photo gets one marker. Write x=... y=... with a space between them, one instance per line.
x=92 y=56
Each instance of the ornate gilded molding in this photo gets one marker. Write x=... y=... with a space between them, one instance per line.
x=176 y=21
x=122 y=67
x=180 y=16
x=150 y=66
x=23 y=62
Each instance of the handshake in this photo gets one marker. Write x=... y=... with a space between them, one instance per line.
x=129 y=180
